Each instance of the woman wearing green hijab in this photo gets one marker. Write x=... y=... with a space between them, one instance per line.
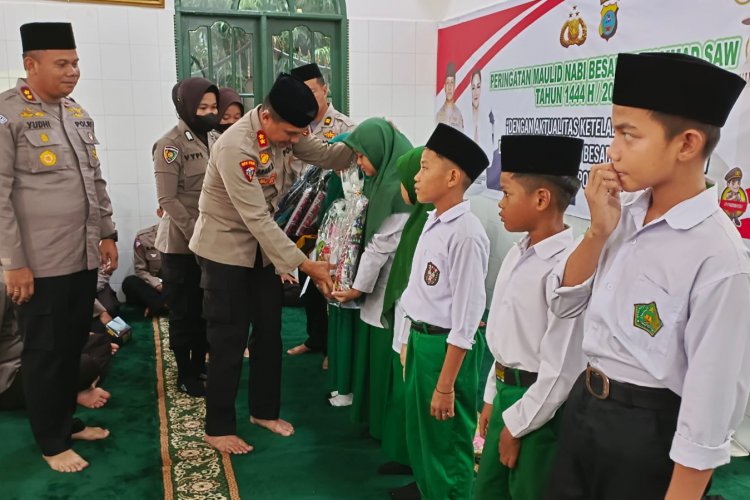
x=378 y=145
x=394 y=436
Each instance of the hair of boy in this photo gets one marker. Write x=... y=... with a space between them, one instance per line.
x=562 y=187
x=674 y=125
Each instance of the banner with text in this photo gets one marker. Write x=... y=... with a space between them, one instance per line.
x=547 y=67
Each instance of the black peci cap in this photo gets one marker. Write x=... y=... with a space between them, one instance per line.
x=676 y=84
x=541 y=154
x=459 y=148
x=47 y=36
x=293 y=100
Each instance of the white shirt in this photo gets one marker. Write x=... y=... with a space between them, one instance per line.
x=692 y=264
x=523 y=333
x=375 y=266
x=446 y=284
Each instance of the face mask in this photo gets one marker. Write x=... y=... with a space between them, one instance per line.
x=206 y=122
x=222 y=127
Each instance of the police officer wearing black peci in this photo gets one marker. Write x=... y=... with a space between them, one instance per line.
x=242 y=251
x=55 y=230
x=180 y=159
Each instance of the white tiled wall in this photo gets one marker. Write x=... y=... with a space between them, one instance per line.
x=392 y=65
x=127 y=72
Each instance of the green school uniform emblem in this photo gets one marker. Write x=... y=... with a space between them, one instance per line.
x=646 y=317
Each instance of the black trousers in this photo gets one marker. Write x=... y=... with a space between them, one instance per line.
x=316 y=309
x=610 y=451
x=55 y=326
x=184 y=296
x=139 y=293
x=234 y=297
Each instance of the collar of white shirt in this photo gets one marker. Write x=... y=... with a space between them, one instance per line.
x=549 y=247
x=684 y=215
x=452 y=213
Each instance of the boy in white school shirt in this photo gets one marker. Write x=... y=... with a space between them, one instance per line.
x=537 y=355
x=665 y=279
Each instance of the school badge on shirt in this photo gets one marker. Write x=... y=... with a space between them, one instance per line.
x=170 y=153
x=431 y=274
x=646 y=317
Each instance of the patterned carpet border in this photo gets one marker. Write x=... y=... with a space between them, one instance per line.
x=191 y=469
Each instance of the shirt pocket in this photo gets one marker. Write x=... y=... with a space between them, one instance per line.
x=194 y=171
x=90 y=141
x=649 y=317
x=45 y=151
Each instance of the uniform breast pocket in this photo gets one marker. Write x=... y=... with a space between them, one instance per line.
x=194 y=171
x=90 y=142
x=649 y=316
x=44 y=152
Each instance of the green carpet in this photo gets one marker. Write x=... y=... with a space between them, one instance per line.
x=126 y=465
x=327 y=458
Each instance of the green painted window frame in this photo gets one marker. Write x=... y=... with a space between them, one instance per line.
x=264 y=22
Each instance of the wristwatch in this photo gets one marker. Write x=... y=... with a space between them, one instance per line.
x=112 y=237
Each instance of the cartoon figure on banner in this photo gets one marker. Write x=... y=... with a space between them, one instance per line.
x=733 y=198
x=608 y=24
x=574 y=30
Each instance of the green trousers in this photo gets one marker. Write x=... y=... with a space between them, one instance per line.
x=342 y=324
x=529 y=478
x=441 y=452
x=394 y=427
x=372 y=366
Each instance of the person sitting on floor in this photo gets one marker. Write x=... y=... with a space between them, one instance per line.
x=144 y=288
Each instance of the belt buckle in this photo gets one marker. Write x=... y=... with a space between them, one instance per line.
x=500 y=373
x=605 y=383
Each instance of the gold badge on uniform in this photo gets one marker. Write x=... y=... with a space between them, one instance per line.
x=27 y=94
x=646 y=317
x=39 y=113
x=262 y=139
x=48 y=158
x=44 y=138
x=76 y=112
x=264 y=157
x=329 y=135
x=26 y=113
x=327 y=121
x=94 y=154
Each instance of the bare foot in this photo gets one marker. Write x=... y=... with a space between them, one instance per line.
x=91 y=434
x=93 y=397
x=67 y=461
x=325 y=363
x=228 y=444
x=300 y=349
x=278 y=426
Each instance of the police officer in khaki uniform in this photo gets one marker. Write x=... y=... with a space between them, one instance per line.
x=326 y=125
x=180 y=159
x=144 y=289
x=55 y=230
x=242 y=250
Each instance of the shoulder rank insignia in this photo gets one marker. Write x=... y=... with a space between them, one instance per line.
x=329 y=135
x=48 y=158
x=75 y=111
x=327 y=121
x=189 y=136
x=27 y=94
x=431 y=274
x=264 y=157
x=262 y=139
x=248 y=168
x=646 y=317
x=170 y=153
x=267 y=181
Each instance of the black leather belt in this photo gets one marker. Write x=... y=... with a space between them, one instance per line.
x=514 y=376
x=429 y=329
x=602 y=387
